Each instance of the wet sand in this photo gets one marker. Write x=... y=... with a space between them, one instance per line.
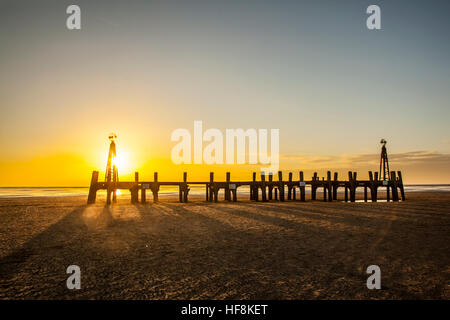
x=242 y=250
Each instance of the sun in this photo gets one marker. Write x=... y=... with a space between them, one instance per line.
x=122 y=162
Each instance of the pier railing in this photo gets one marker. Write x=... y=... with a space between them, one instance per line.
x=267 y=187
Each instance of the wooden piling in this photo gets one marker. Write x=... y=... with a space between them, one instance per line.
x=183 y=189
x=143 y=196
x=314 y=186
x=263 y=187
x=373 y=187
x=302 y=187
x=155 y=189
x=329 y=187
x=211 y=186
x=394 y=187
x=335 y=185
x=281 y=185
x=253 y=194
x=93 y=188
x=135 y=189
x=227 y=188
x=290 y=186
x=270 y=187
x=354 y=185
x=400 y=185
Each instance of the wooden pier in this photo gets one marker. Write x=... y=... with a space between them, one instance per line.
x=267 y=187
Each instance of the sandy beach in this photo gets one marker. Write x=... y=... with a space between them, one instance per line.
x=242 y=250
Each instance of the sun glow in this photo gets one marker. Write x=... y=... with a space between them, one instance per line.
x=122 y=162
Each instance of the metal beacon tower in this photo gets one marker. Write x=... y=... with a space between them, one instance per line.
x=384 y=162
x=111 y=175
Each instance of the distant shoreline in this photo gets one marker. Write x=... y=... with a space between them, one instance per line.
x=62 y=187
x=198 y=191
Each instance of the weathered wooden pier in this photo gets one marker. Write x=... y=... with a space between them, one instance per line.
x=267 y=187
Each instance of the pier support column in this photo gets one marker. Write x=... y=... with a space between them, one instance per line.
x=335 y=186
x=227 y=188
x=143 y=196
x=253 y=189
x=314 y=186
x=330 y=187
x=135 y=189
x=394 y=187
x=290 y=186
x=400 y=185
x=211 y=186
x=270 y=187
x=155 y=189
x=281 y=187
x=353 y=185
x=93 y=188
x=183 y=189
x=263 y=187
x=302 y=187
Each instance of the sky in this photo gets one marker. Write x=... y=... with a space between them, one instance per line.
x=142 y=69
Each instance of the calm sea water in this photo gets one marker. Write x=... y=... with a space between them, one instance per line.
x=17 y=192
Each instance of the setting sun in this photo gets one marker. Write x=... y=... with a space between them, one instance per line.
x=122 y=162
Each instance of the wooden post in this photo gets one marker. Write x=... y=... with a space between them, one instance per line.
x=185 y=187
x=290 y=186
x=93 y=188
x=355 y=185
x=263 y=187
x=400 y=185
x=346 y=194
x=135 y=189
x=388 y=192
x=302 y=188
x=373 y=187
x=330 y=187
x=227 y=188
x=281 y=187
x=270 y=185
x=234 y=192
x=335 y=186
x=394 y=187
x=143 y=199
x=365 y=193
x=352 y=179
x=211 y=186
x=155 y=189
x=253 y=190
x=314 y=186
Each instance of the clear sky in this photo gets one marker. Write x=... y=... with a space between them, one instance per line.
x=144 y=68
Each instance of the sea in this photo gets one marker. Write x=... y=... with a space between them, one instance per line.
x=20 y=192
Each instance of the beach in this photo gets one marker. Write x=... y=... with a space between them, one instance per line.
x=225 y=250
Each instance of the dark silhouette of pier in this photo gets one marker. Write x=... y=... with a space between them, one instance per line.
x=269 y=188
x=266 y=189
